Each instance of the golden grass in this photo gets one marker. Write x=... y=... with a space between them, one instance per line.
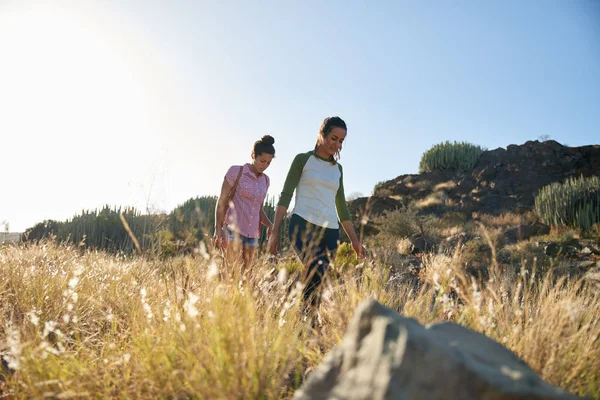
x=429 y=201
x=451 y=231
x=88 y=324
x=404 y=247
x=507 y=219
x=435 y=199
x=444 y=185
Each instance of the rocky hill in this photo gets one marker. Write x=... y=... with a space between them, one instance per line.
x=502 y=180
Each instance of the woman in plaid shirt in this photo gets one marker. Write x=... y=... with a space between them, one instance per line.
x=237 y=230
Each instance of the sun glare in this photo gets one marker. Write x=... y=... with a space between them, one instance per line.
x=62 y=77
x=76 y=99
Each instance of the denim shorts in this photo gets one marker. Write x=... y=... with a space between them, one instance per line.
x=236 y=237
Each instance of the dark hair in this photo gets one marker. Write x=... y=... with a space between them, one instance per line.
x=326 y=126
x=264 y=145
x=329 y=123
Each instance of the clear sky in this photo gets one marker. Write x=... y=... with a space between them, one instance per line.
x=148 y=103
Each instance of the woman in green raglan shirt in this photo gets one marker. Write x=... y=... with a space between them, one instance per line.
x=318 y=180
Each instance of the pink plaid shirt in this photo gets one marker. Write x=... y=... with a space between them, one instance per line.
x=244 y=216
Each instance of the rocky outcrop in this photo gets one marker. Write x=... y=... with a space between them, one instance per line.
x=386 y=356
x=502 y=180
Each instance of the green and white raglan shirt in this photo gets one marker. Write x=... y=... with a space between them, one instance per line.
x=319 y=187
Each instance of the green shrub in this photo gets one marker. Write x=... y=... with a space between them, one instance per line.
x=167 y=245
x=525 y=255
x=407 y=222
x=345 y=258
x=400 y=223
x=292 y=265
x=476 y=253
x=378 y=185
x=459 y=156
x=574 y=203
x=453 y=218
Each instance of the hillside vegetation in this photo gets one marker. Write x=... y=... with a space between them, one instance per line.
x=87 y=312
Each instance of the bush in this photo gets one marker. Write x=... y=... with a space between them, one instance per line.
x=574 y=203
x=528 y=255
x=476 y=253
x=377 y=186
x=407 y=222
x=398 y=223
x=458 y=156
x=453 y=218
x=345 y=258
x=291 y=265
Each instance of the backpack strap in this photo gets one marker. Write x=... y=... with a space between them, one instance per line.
x=235 y=184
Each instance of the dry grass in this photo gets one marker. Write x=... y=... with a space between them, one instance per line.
x=552 y=324
x=419 y=185
x=404 y=247
x=504 y=220
x=439 y=198
x=429 y=201
x=94 y=325
x=451 y=231
x=444 y=185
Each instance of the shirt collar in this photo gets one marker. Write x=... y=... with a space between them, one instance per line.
x=248 y=171
x=330 y=159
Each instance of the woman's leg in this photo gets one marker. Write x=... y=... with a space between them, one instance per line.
x=248 y=255
x=314 y=245
x=233 y=251
x=323 y=253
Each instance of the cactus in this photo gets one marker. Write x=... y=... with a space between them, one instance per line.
x=574 y=203
x=459 y=156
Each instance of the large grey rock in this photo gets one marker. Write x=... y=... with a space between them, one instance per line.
x=386 y=356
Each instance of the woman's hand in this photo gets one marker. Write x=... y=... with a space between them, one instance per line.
x=217 y=239
x=359 y=249
x=273 y=246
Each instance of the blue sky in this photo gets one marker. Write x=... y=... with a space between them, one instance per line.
x=149 y=103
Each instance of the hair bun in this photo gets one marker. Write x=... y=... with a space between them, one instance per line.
x=267 y=139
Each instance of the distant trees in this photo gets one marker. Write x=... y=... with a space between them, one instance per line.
x=187 y=225
x=42 y=230
x=103 y=229
x=160 y=234
x=100 y=229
